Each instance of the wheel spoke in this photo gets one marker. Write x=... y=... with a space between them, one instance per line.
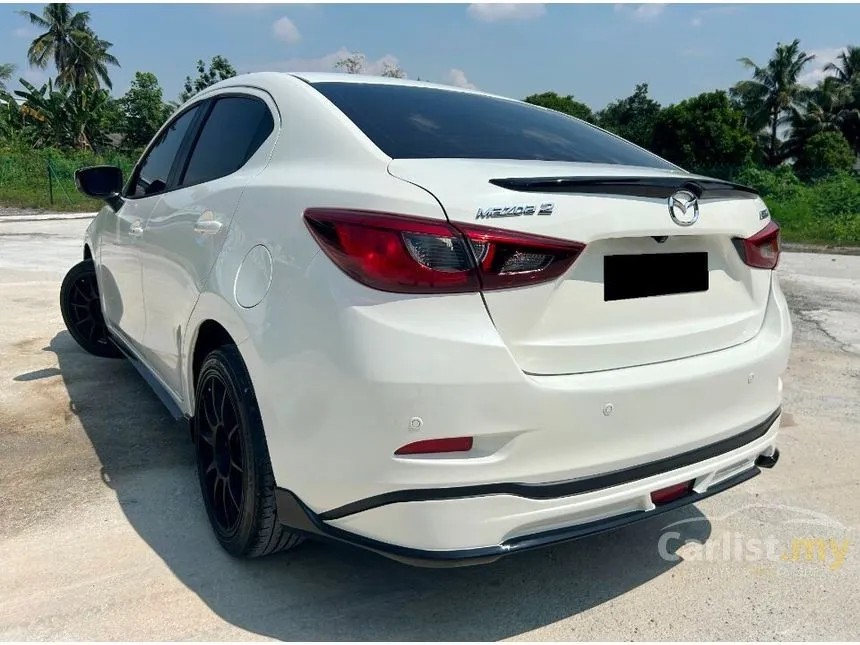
x=207 y=400
x=223 y=401
x=209 y=438
x=212 y=400
x=235 y=466
x=81 y=297
x=211 y=467
x=229 y=488
x=224 y=504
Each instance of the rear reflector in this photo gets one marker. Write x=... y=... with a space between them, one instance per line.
x=431 y=446
x=761 y=251
x=671 y=493
x=404 y=254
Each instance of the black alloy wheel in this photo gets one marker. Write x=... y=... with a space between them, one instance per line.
x=81 y=308
x=233 y=465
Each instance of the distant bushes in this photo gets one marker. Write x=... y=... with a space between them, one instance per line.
x=826 y=210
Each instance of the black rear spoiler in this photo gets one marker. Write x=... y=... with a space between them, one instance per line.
x=663 y=187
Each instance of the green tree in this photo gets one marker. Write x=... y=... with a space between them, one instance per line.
x=566 y=104
x=771 y=94
x=220 y=69
x=357 y=64
x=846 y=72
x=847 y=68
x=80 y=57
x=352 y=64
x=704 y=134
x=826 y=109
x=63 y=117
x=6 y=71
x=632 y=118
x=142 y=109
x=88 y=64
x=825 y=154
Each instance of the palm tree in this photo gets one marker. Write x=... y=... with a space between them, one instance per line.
x=827 y=110
x=88 y=63
x=6 y=71
x=77 y=53
x=847 y=70
x=772 y=92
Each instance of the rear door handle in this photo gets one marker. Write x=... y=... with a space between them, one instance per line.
x=207 y=227
x=136 y=229
x=207 y=224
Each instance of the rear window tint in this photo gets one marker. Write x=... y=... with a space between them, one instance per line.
x=420 y=123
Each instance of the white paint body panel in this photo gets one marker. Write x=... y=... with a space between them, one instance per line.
x=339 y=369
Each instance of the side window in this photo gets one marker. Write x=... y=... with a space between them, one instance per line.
x=235 y=129
x=152 y=176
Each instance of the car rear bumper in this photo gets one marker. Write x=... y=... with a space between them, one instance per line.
x=458 y=526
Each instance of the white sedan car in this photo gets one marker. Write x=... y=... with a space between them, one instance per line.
x=430 y=322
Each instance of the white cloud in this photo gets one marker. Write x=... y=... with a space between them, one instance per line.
x=326 y=63
x=497 y=12
x=642 y=12
x=285 y=30
x=457 y=78
x=814 y=70
x=696 y=22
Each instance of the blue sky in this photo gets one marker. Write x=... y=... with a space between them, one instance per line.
x=597 y=52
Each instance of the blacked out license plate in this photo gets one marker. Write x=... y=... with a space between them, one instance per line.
x=654 y=274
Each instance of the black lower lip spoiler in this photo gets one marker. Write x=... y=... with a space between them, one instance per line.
x=661 y=187
x=295 y=515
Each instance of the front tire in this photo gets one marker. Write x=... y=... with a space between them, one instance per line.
x=81 y=307
x=233 y=465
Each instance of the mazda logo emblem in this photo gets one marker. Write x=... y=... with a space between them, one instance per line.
x=684 y=208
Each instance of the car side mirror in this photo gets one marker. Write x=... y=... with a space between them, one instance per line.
x=99 y=182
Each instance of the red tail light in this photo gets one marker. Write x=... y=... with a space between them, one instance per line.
x=415 y=255
x=431 y=446
x=761 y=251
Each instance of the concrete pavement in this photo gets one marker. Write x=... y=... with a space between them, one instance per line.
x=103 y=536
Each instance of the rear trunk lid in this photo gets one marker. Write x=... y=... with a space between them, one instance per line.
x=644 y=290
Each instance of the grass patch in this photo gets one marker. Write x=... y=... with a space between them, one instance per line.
x=24 y=178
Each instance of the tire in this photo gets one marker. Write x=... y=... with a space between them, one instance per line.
x=233 y=460
x=80 y=305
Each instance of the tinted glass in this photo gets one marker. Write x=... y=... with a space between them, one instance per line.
x=417 y=123
x=233 y=132
x=152 y=177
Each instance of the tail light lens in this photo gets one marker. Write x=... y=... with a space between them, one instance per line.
x=761 y=251
x=414 y=255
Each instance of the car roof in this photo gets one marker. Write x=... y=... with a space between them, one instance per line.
x=267 y=79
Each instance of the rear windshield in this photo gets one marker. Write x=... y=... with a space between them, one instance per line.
x=425 y=123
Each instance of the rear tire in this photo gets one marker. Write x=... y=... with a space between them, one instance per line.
x=81 y=307
x=233 y=465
